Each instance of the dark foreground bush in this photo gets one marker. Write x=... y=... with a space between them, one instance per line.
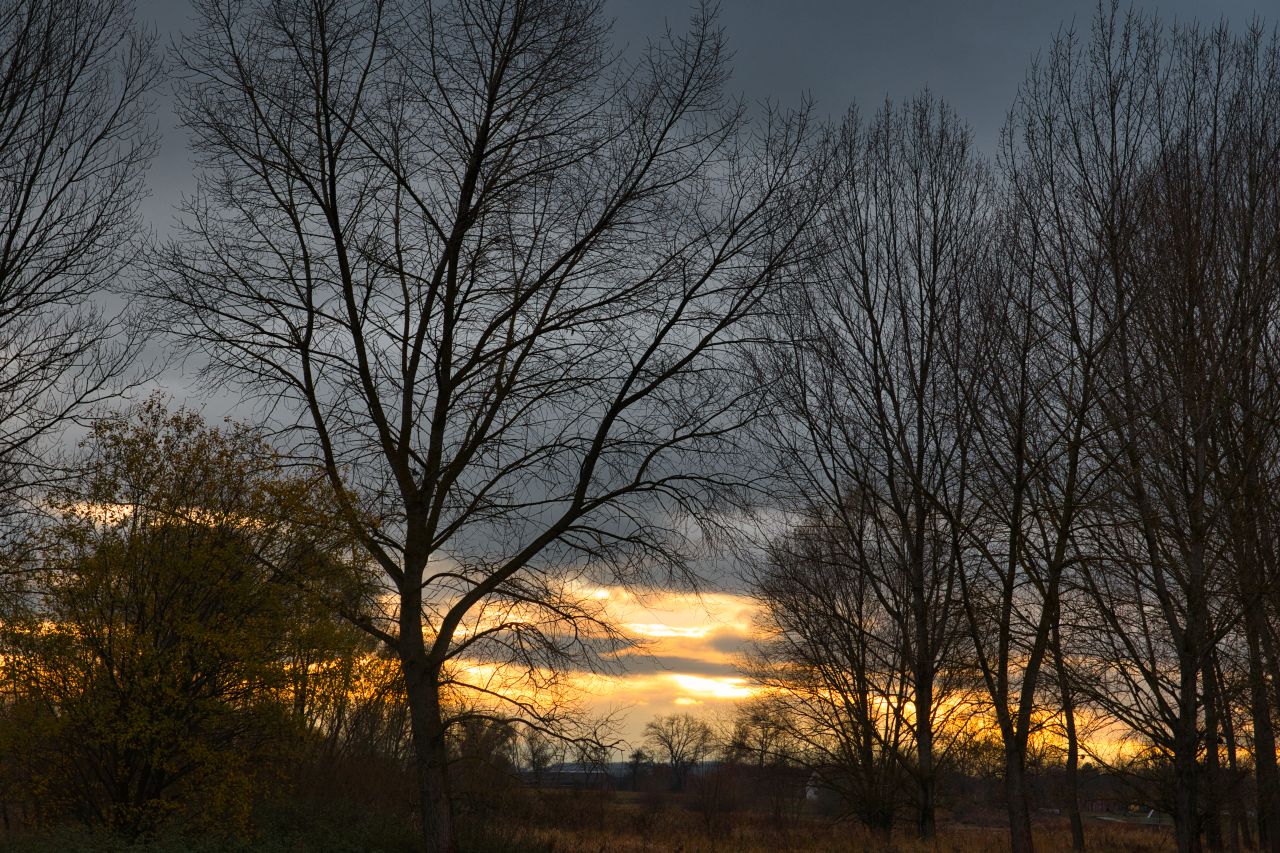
x=279 y=828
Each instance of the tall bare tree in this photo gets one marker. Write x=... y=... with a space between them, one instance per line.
x=868 y=425
x=1165 y=135
x=75 y=140
x=1249 y=444
x=492 y=276
x=1032 y=374
x=1043 y=341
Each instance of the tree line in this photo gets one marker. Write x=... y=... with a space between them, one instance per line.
x=1026 y=408
x=521 y=314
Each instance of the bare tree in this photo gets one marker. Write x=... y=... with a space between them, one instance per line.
x=1249 y=445
x=75 y=140
x=492 y=278
x=539 y=753
x=868 y=427
x=1100 y=413
x=681 y=740
x=831 y=658
x=1151 y=139
x=759 y=734
x=1040 y=342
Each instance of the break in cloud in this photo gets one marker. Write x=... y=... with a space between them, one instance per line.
x=692 y=645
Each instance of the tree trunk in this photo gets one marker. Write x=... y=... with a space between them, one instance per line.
x=1212 y=818
x=926 y=825
x=923 y=674
x=1186 y=816
x=1016 y=800
x=1073 y=744
x=431 y=757
x=1191 y=656
x=1235 y=803
x=1264 y=737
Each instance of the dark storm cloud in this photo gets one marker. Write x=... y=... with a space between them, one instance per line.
x=973 y=53
x=644 y=664
x=730 y=644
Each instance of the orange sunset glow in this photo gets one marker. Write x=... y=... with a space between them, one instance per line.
x=689 y=663
x=691 y=645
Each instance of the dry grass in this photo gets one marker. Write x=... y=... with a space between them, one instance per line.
x=951 y=840
x=586 y=827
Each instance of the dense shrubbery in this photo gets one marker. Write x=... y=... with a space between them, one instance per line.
x=173 y=655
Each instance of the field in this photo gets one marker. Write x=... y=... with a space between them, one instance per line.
x=565 y=821
x=632 y=823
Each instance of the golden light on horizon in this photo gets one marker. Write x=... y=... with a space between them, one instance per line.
x=661 y=630
x=693 y=645
x=697 y=686
x=687 y=648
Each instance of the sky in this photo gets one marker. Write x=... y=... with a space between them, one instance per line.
x=687 y=662
x=971 y=53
